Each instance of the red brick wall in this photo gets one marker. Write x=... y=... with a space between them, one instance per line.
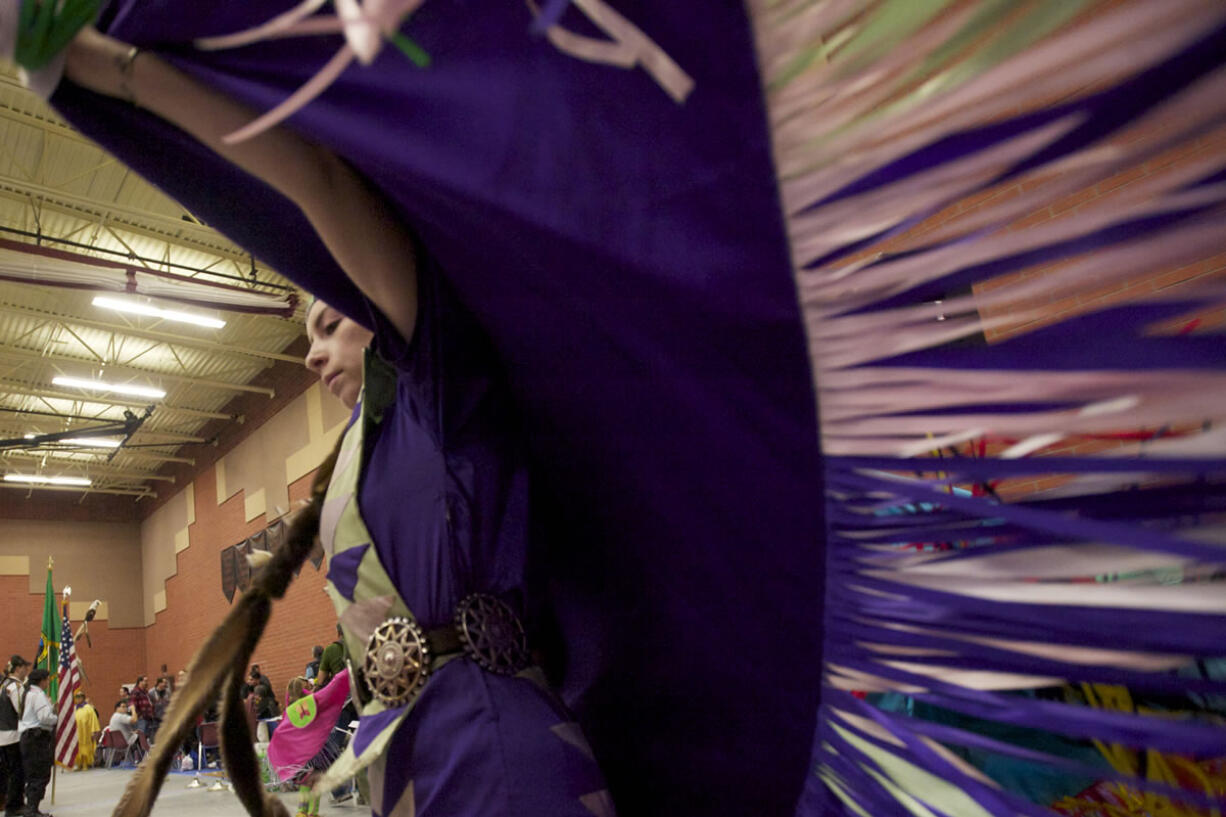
x=195 y=604
x=22 y=619
x=116 y=657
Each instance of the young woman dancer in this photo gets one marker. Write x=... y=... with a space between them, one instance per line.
x=425 y=516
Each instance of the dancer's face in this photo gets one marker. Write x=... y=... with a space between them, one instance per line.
x=337 y=344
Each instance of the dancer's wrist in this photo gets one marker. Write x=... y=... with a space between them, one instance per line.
x=101 y=63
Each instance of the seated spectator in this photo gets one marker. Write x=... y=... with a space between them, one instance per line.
x=123 y=721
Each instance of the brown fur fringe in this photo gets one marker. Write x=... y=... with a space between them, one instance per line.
x=218 y=667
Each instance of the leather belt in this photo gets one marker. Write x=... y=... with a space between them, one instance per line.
x=399 y=654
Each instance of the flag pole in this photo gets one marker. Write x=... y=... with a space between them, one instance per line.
x=50 y=565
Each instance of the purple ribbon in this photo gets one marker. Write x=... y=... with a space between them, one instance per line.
x=1077 y=529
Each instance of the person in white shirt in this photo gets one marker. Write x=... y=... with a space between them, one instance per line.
x=12 y=776
x=123 y=721
x=37 y=737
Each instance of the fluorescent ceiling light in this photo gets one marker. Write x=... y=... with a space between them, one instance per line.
x=98 y=385
x=142 y=308
x=91 y=442
x=37 y=480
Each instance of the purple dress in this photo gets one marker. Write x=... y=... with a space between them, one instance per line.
x=628 y=258
x=637 y=265
x=444 y=497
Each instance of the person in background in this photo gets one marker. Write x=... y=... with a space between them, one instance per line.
x=476 y=741
x=12 y=775
x=303 y=746
x=123 y=721
x=332 y=664
x=159 y=696
x=255 y=678
x=264 y=704
x=312 y=669
x=141 y=704
x=37 y=738
x=87 y=726
x=262 y=712
x=331 y=661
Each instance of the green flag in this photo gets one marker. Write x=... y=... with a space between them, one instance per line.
x=49 y=640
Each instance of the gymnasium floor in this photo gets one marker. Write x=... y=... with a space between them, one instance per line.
x=95 y=792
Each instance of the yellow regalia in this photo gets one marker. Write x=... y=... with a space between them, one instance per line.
x=87 y=726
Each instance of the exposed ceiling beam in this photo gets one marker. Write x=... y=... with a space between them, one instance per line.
x=40 y=421
x=135 y=450
x=163 y=227
x=150 y=334
x=79 y=489
x=138 y=371
x=127 y=451
x=173 y=437
x=145 y=453
x=27 y=390
x=44 y=119
x=88 y=469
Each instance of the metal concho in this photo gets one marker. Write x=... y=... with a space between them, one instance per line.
x=492 y=634
x=397 y=661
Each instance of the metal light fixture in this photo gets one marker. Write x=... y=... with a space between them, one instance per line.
x=100 y=385
x=142 y=308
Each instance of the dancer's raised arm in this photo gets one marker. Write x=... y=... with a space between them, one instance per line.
x=356 y=224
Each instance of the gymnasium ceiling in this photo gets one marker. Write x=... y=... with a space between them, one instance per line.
x=58 y=187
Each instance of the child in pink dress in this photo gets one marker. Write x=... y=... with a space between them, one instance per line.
x=298 y=749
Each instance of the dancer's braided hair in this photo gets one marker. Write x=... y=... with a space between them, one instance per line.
x=218 y=666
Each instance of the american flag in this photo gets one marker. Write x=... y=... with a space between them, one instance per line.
x=70 y=682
